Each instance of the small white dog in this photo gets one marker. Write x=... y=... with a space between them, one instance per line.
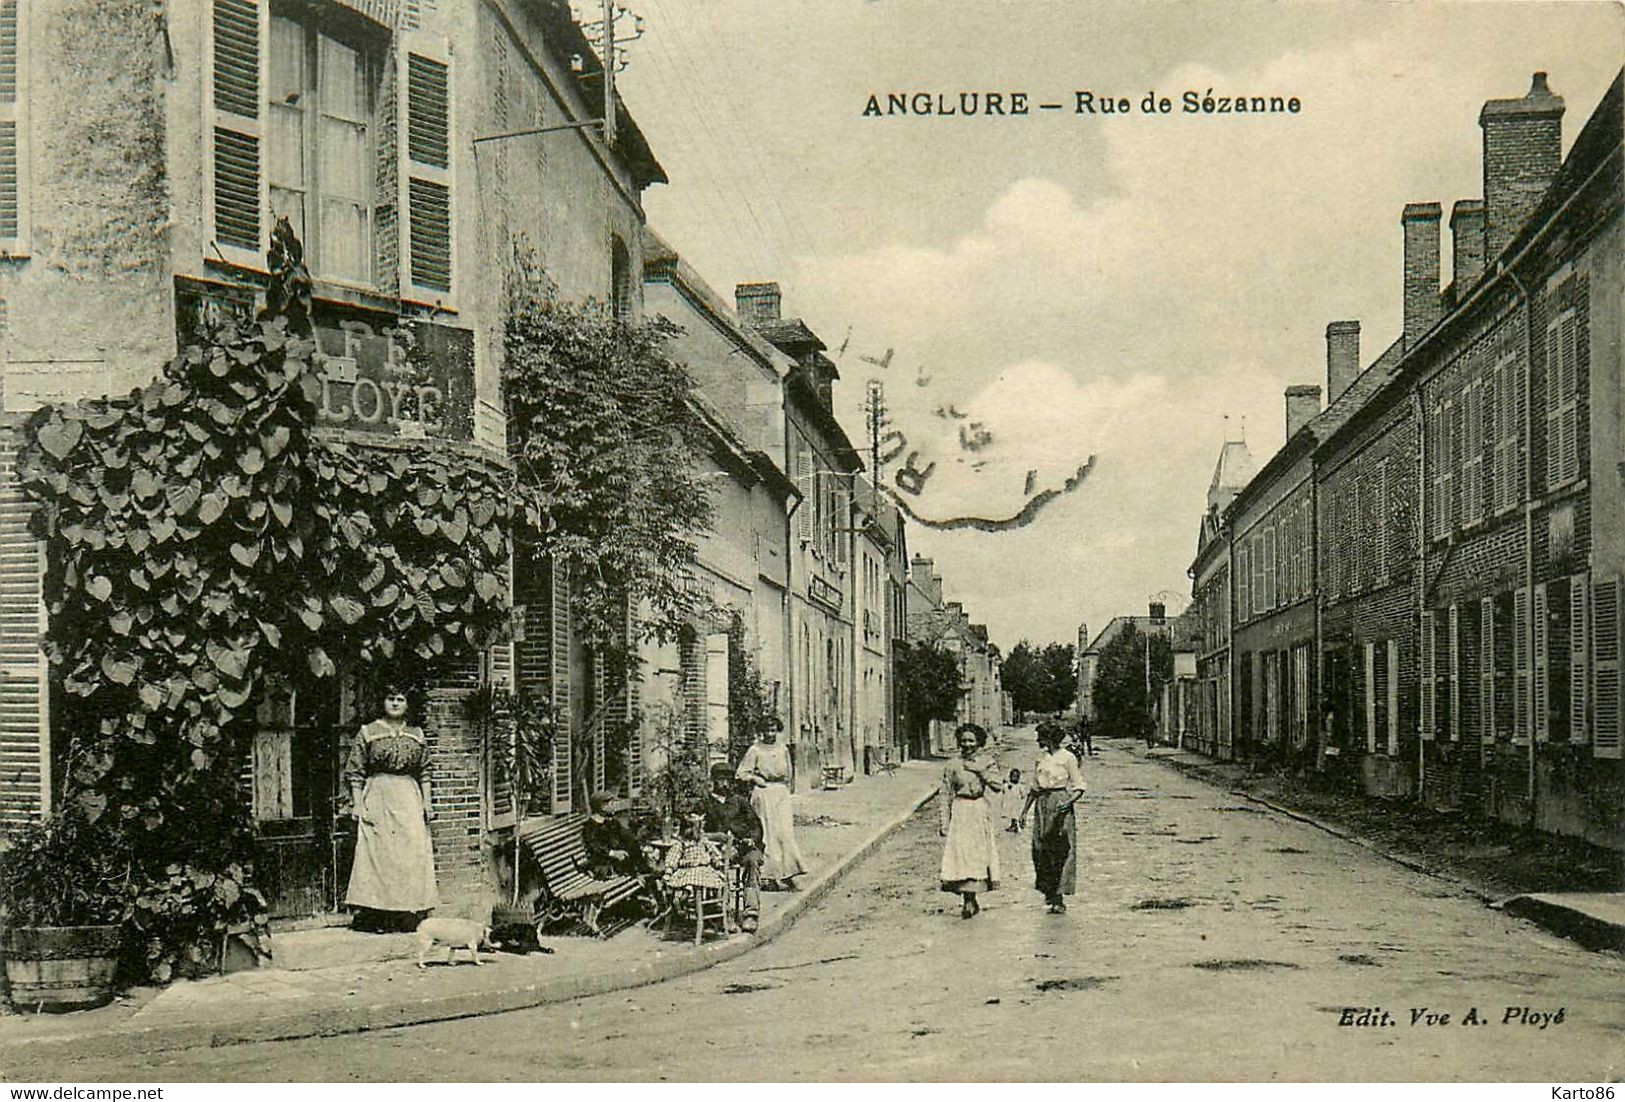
x=454 y=934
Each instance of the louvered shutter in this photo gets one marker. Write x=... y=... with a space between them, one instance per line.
x=1454 y=625
x=1269 y=568
x=1370 y=710
x=237 y=195
x=1428 y=687
x=600 y=715
x=13 y=134
x=1554 y=405
x=1486 y=670
x=1579 y=681
x=1569 y=377
x=24 y=728
x=843 y=524
x=807 y=484
x=1244 y=589
x=1542 y=632
x=1393 y=697
x=634 y=696
x=1605 y=600
x=1521 y=723
x=558 y=655
x=426 y=168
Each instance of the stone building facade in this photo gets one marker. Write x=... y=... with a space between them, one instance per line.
x=154 y=148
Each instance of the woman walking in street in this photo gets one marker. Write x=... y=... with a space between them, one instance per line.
x=1057 y=785
x=970 y=859
x=766 y=766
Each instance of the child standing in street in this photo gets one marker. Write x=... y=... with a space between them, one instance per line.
x=1014 y=798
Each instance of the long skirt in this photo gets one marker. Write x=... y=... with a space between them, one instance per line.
x=781 y=857
x=1055 y=844
x=970 y=860
x=394 y=859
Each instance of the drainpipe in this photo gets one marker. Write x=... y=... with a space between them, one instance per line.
x=1528 y=520
x=1419 y=412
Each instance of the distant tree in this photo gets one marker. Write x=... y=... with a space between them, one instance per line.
x=1121 y=705
x=928 y=685
x=1060 y=679
x=1020 y=676
x=1039 y=679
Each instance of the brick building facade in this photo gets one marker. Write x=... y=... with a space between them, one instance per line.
x=1469 y=500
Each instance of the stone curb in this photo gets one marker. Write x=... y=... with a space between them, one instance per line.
x=329 y=1020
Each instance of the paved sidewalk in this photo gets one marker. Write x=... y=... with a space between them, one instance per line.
x=1594 y=919
x=835 y=828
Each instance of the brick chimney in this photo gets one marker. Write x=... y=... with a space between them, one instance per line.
x=1159 y=612
x=1523 y=140
x=1302 y=403
x=1422 y=307
x=1466 y=244
x=757 y=302
x=1342 y=357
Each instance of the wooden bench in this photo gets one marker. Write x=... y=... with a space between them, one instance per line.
x=569 y=890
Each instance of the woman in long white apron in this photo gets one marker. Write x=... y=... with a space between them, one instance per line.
x=766 y=765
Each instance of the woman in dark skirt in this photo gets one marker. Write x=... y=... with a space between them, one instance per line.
x=1057 y=785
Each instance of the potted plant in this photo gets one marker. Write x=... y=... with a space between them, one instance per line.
x=62 y=908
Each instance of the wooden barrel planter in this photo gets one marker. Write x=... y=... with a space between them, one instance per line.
x=60 y=967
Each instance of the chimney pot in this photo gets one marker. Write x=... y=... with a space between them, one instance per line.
x=1422 y=306
x=1523 y=141
x=1302 y=404
x=1342 y=357
x=757 y=302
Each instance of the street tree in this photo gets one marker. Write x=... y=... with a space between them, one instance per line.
x=929 y=686
x=1121 y=705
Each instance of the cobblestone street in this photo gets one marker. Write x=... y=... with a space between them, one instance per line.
x=1210 y=940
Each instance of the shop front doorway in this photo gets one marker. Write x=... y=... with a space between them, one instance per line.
x=306 y=837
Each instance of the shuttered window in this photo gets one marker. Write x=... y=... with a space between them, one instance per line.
x=806 y=483
x=1244 y=589
x=1368 y=714
x=1579 y=588
x=427 y=175
x=1393 y=697
x=1505 y=429
x=633 y=706
x=1605 y=602
x=1428 y=688
x=1380 y=524
x=24 y=731
x=558 y=660
x=1540 y=616
x=1472 y=453
x=1486 y=670
x=1453 y=720
x=1269 y=569
x=237 y=194
x=1562 y=400
x=1521 y=722
x=13 y=134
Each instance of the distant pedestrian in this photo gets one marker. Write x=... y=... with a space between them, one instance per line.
x=1013 y=801
x=970 y=859
x=1057 y=786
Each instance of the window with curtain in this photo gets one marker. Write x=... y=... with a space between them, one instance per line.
x=321 y=164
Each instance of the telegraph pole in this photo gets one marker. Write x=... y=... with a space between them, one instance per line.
x=609 y=72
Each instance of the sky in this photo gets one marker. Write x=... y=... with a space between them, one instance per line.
x=1062 y=289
